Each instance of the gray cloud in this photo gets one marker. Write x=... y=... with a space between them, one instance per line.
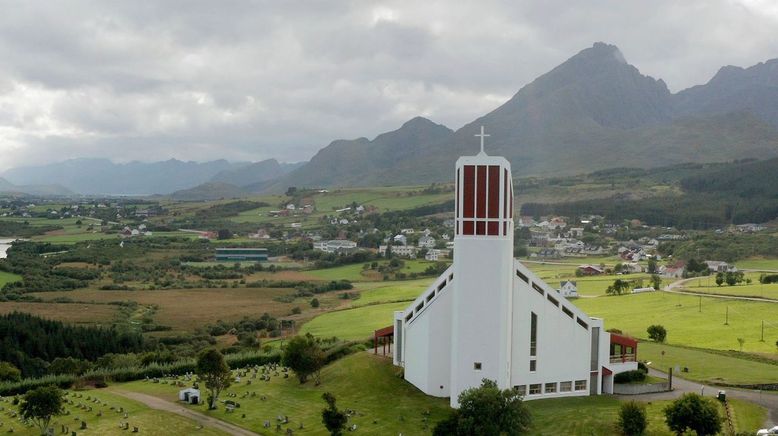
x=249 y=80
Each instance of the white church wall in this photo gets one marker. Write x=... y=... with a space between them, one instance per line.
x=427 y=338
x=480 y=313
x=563 y=345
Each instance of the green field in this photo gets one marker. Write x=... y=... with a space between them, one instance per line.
x=758 y=264
x=357 y=273
x=361 y=382
x=353 y=324
x=390 y=292
x=706 y=367
x=365 y=383
x=6 y=277
x=148 y=421
x=686 y=325
x=754 y=289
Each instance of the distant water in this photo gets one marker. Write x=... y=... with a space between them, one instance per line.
x=5 y=244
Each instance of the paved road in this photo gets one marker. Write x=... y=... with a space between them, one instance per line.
x=681 y=386
x=167 y=406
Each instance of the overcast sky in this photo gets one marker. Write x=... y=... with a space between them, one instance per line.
x=239 y=80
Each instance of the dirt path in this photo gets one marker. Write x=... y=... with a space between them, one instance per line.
x=682 y=386
x=167 y=406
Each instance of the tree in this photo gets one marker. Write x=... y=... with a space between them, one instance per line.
x=657 y=333
x=315 y=303
x=693 y=412
x=731 y=279
x=487 y=410
x=742 y=342
x=69 y=365
x=719 y=279
x=224 y=234
x=652 y=266
x=656 y=281
x=332 y=418
x=618 y=287
x=214 y=371
x=632 y=418
x=8 y=372
x=304 y=356
x=40 y=405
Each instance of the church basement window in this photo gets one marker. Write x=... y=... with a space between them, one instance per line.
x=521 y=389
x=534 y=389
x=550 y=388
x=566 y=386
x=580 y=385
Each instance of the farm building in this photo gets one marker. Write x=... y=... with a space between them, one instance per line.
x=241 y=254
x=490 y=317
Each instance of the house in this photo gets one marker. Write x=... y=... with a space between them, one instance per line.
x=631 y=268
x=489 y=317
x=400 y=240
x=189 y=395
x=568 y=289
x=290 y=206
x=426 y=242
x=548 y=253
x=641 y=290
x=296 y=225
x=590 y=270
x=400 y=250
x=675 y=272
x=719 y=266
x=407 y=231
x=575 y=232
x=436 y=254
x=227 y=254
x=335 y=246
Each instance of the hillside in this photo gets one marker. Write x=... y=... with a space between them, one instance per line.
x=594 y=111
x=255 y=173
x=209 y=191
x=7 y=187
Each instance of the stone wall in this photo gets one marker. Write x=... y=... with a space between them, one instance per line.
x=637 y=389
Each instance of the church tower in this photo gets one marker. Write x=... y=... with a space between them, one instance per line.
x=482 y=301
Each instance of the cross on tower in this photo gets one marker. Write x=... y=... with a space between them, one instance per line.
x=482 y=135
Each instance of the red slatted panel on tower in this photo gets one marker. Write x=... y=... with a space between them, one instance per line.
x=467 y=228
x=493 y=228
x=468 y=191
x=480 y=228
x=494 y=191
x=480 y=199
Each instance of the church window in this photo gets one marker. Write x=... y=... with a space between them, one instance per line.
x=553 y=300
x=534 y=389
x=583 y=323
x=566 y=386
x=522 y=276
x=580 y=385
x=550 y=388
x=567 y=312
x=536 y=287
x=533 y=335
x=477 y=366
x=533 y=365
x=521 y=389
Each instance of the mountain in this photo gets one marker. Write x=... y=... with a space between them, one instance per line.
x=254 y=173
x=364 y=162
x=594 y=111
x=7 y=187
x=753 y=89
x=209 y=191
x=101 y=176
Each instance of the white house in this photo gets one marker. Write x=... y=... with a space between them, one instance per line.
x=426 y=242
x=335 y=245
x=400 y=250
x=400 y=239
x=568 y=289
x=436 y=254
x=488 y=316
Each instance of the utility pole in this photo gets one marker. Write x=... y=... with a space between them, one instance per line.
x=726 y=317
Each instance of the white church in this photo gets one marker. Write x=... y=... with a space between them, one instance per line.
x=488 y=316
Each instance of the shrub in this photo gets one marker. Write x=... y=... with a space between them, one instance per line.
x=629 y=376
x=632 y=418
x=693 y=412
x=642 y=367
x=657 y=333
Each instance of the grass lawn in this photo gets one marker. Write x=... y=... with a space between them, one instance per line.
x=357 y=273
x=685 y=325
x=148 y=421
x=76 y=313
x=758 y=264
x=353 y=324
x=6 y=277
x=754 y=289
x=389 y=292
x=708 y=367
x=360 y=382
x=365 y=383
